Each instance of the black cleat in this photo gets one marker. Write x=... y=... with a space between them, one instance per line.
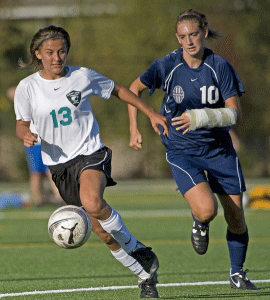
x=200 y=238
x=240 y=281
x=146 y=258
x=148 y=287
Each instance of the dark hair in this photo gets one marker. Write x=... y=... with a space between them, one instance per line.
x=44 y=34
x=200 y=18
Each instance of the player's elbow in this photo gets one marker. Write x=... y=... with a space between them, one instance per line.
x=239 y=114
x=137 y=87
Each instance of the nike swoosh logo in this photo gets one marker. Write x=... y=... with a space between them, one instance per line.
x=237 y=283
x=56 y=89
x=193 y=79
x=128 y=241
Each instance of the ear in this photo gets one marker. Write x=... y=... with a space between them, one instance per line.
x=38 y=54
x=206 y=33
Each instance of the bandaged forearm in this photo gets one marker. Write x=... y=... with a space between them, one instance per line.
x=211 y=117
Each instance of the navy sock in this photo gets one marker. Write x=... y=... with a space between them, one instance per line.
x=200 y=223
x=237 y=244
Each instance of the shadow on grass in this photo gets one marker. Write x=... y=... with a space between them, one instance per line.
x=206 y=273
x=223 y=296
x=66 y=278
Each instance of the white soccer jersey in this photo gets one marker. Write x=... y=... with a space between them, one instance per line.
x=61 y=112
x=33 y=130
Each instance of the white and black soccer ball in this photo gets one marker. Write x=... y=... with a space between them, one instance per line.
x=69 y=226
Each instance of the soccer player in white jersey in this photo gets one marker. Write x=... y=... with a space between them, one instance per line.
x=56 y=100
x=201 y=102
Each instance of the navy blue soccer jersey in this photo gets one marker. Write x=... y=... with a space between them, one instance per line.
x=184 y=88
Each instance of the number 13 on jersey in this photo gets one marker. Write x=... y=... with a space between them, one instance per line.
x=63 y=116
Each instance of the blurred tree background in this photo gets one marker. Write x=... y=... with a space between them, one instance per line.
x=120 y=39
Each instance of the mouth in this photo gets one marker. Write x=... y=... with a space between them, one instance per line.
x=192 y=49
x=57 y=67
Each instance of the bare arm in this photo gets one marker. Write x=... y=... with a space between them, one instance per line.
x=127 y=96
x=234 y=102
x=135 y=136
x=23 y=133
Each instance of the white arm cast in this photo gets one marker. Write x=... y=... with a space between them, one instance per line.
x=211 y=117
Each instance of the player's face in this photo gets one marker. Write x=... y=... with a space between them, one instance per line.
x=53 y=54
x=191 y=37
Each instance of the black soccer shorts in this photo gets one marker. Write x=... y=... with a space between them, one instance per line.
x=66 y=176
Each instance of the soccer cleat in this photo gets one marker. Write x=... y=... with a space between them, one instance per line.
x=200 y=238
x=146 y=258
x=148 y=287
x=240 y=281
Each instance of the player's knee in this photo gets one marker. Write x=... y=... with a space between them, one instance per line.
x=92 y=203
x=237 y=225
x=207 y=215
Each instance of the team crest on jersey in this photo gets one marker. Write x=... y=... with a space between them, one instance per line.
x=74 y=97
x=178 y=94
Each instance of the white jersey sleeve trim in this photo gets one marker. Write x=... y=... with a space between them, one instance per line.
x=108 y=94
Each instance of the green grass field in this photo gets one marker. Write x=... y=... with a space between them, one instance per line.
x=33 y=267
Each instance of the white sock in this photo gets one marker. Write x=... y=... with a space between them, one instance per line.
x=115 y=226
x=130 y=263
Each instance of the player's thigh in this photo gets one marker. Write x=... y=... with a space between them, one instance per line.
x=202 y=201
x=92 y=186
x=225 y=173
x=185 y=170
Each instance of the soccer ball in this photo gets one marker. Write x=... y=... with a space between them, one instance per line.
x=69 y=226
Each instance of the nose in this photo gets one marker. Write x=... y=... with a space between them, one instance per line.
x=56 y=57
x=189 y=40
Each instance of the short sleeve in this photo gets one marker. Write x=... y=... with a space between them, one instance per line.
x=152 y=78
x=230 y=83
x=22 y=104
x=101 y=86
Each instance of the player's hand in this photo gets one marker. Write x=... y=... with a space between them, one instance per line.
x=135 y=140
x=156 y=119
x=182 y=122
x=30 y=139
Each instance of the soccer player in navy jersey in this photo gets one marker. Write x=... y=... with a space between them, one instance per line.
x=201 y=102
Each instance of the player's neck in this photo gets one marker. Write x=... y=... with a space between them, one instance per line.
x=194 y=61
x=52 y=76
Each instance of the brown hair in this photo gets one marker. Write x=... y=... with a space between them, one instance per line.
x=200 y=18
x=50 y=32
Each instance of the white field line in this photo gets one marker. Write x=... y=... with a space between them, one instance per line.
x=107 y=288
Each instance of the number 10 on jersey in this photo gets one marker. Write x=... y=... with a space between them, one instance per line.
x=210 y=94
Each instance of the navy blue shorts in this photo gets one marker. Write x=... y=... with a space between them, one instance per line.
x=34 y=160
x=220 y=167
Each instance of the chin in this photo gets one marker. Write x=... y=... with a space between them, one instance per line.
x=58 y=72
